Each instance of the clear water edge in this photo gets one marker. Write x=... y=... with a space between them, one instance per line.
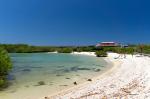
x=58 y=71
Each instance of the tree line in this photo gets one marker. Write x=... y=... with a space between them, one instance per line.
x=24 y=48
x=6 y=65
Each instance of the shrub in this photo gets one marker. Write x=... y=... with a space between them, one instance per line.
x=5 y=66
x=101 y=53
x=64 y=50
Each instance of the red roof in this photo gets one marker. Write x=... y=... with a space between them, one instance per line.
x=107 y=44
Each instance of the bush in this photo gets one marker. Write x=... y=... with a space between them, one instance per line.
x=5 y=66
x=101 y=53
x=65 y=50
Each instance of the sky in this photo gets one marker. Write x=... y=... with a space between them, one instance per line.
x=74 y=22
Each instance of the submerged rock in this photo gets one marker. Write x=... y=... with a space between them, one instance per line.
x=97 y=70
x=89 y=80
x=66 y=70
x=26 y=70
x=59 y=75
x=47 y=98
x=75 y=83
x=63 y=85
x=40 y=83
x=78 y=68
x=74 y=68
x=67 y=78
x=84 y=69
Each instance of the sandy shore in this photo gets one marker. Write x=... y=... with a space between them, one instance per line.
x=84 y=53
x=128 y=79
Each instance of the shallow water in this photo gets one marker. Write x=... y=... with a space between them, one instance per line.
x=38 y=74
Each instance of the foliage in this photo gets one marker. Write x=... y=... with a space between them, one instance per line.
x=130 y=50
x=85 y=49
x=64 y=50
x=143 y=49
x=101 y=53
x=23 y=48
x=5 y=66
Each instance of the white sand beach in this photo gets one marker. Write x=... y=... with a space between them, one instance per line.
x=84 y=53
x=129 y=78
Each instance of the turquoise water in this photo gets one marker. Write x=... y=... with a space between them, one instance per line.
x=56 y=71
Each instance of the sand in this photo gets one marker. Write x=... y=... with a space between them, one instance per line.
x=129 y=78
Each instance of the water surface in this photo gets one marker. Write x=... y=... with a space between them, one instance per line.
x=38 y=74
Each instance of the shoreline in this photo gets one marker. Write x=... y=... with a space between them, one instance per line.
x=27 y=89
x=126 y=79
x=114 y=65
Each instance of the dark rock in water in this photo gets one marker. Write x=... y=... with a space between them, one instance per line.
x=75 y=83
x=47 y=98
x=74 y=68
x=67 y=78
x=26 y=70
x=59 y=75
x=41 y=83
x=97 y=70
x=77 y=68
x=66 y=70
x=84 y=69
x=63 y=85
x=89 y=80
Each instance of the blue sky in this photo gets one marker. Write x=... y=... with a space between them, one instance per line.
x=74 y=22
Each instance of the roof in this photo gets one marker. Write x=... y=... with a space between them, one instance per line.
x=107 y=42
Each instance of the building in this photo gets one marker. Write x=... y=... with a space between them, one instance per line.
x=107 y=44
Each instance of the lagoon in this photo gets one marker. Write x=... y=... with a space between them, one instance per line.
x=36 y=75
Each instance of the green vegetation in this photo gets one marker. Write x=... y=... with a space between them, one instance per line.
x=5 y=66
x=23 y=48
x=65 y=50
x=5 y=63
x=143 y=49
x=101 y=53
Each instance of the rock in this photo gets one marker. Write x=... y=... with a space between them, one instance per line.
x=89 y=80
x=66 y=70
x=47 y=98
x=41 y=83
x=97 y=70
x=83 y=69
x=67 y=78
x=75 y=83
x=59 y=75
x=75 y=68
x=63 y=85
x=26 y=70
